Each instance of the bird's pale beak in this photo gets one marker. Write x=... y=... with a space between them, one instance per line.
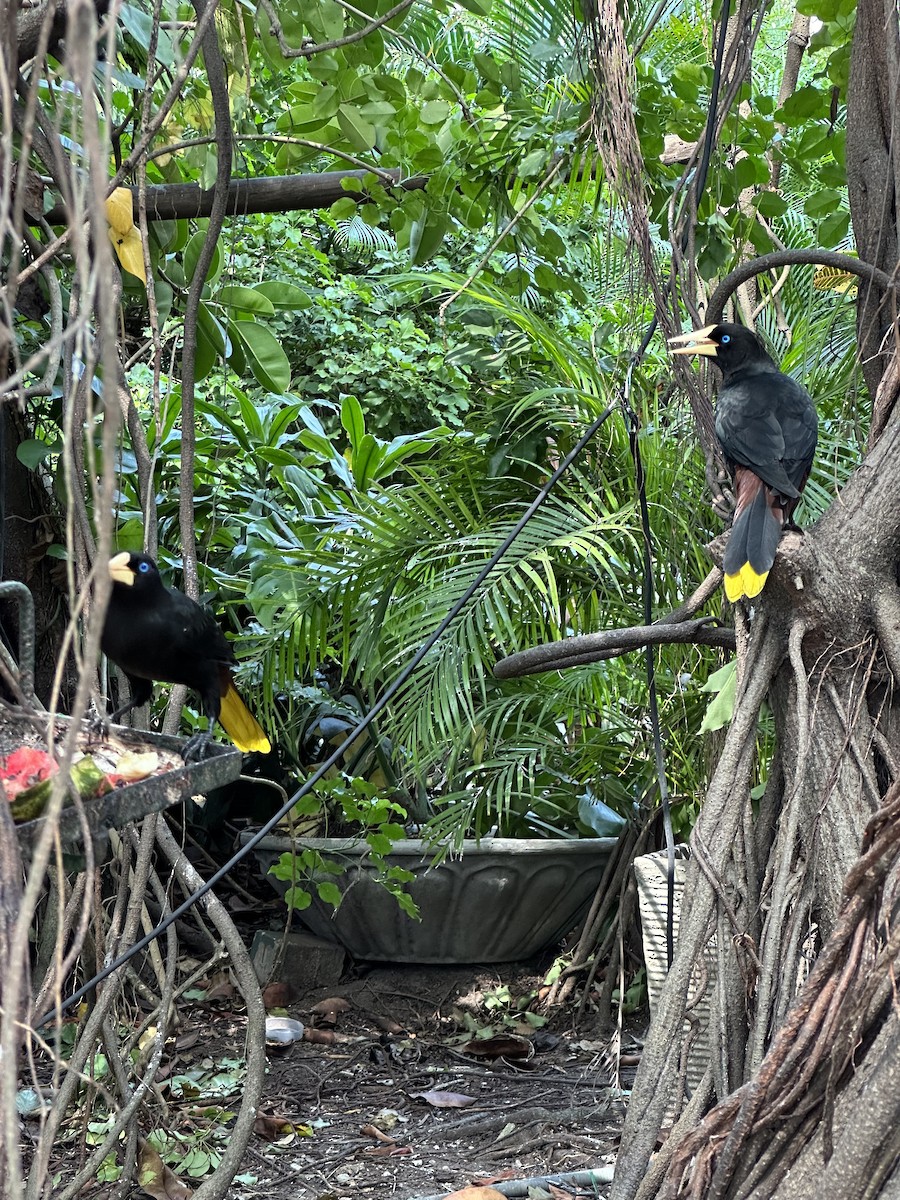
x=697 y=341
x=119 y=570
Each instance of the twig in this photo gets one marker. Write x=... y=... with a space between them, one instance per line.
x=524 y=1187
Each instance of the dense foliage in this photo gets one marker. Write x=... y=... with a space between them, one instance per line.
x=382 y=386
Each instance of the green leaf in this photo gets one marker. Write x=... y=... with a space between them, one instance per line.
x=805 y=103
x=343 y=209
x=822 y=203
x=329 y=893
x=365 y=461
x=32 y=452
x=721 y=708
x=481 y=8
x=353 y=420
x=245 y=299
x=834 y=229
x=434 y=112
x=532 y=163
x=770 y=204
x=284 y=295
x=488 y=67
x=265 y=357
x=192 y=254
x=359 y=132
x=213 y=329
x=425 y=236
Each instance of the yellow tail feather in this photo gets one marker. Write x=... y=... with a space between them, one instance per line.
x=240 y=724
x=745 y=583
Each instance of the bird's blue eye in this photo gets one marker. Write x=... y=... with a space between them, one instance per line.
x=725 y=338
x=143 y=567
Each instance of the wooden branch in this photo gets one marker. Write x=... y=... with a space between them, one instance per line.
x=277 y=193
x=795 y=258
x=30 y=21
x=610 y=643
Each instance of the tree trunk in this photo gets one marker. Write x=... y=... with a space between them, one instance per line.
x=825 y=651
x=872 y=116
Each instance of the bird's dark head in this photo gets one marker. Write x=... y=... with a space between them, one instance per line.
x=729 y=346
x=132 y=570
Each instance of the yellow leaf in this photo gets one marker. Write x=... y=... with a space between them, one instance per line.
x=119 y=211
x=130 y=250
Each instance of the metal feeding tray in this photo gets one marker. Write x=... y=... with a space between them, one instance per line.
x=130 y=801
x=29 y=726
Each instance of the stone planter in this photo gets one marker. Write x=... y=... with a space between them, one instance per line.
x=503 y=900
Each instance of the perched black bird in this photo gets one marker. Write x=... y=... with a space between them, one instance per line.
x=155 y=633
x=767 y=425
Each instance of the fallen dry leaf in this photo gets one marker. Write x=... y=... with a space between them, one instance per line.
x=501 y=1046
x=373 y=1131
x=155 y=1178
x=486 y=1180
x=276 y=995
x=558 y=1193
x=476 y=1193
x=329 y=1037
x=327 y=1012
x=325 y=1037
x=388 y=1024
x=220 y=987
x=438 y=1099
x=189 y=1038
x=387 y=1151
x=270 y=1126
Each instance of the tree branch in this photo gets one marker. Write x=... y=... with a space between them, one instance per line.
x=277 y=193
x=610 y=643
x=796 y=258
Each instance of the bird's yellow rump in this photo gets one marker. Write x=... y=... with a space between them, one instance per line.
x=745 y=583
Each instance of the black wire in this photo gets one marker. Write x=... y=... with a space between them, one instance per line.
x=640 y=482
x=366 y=721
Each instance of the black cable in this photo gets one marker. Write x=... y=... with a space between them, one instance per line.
x=366 y=721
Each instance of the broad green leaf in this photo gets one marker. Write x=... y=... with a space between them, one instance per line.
x=353 y=420
x=32 y=452
x=805 y=103
x=359 y=132
x=205 y=354
x=481 y=8
x=192 y=255
x=329 y=893
x=365 y=460
x=245 y=299
x=770 y=204
x=434 y=112
x=822 y=203
x=720 y=709
x=164 y=297
x=426 y=236
x=532 y=163
x=213 y=329
x=264 y=355
x=284 y=295
x=250 y=417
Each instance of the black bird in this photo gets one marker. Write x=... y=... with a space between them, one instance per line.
x=767 y=426
x=155 y=633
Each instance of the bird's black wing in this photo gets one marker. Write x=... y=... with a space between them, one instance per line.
x=195 y=631
x=800 y=437
x=759 y=419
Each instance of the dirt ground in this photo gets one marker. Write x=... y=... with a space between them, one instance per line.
x=368 y=1129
